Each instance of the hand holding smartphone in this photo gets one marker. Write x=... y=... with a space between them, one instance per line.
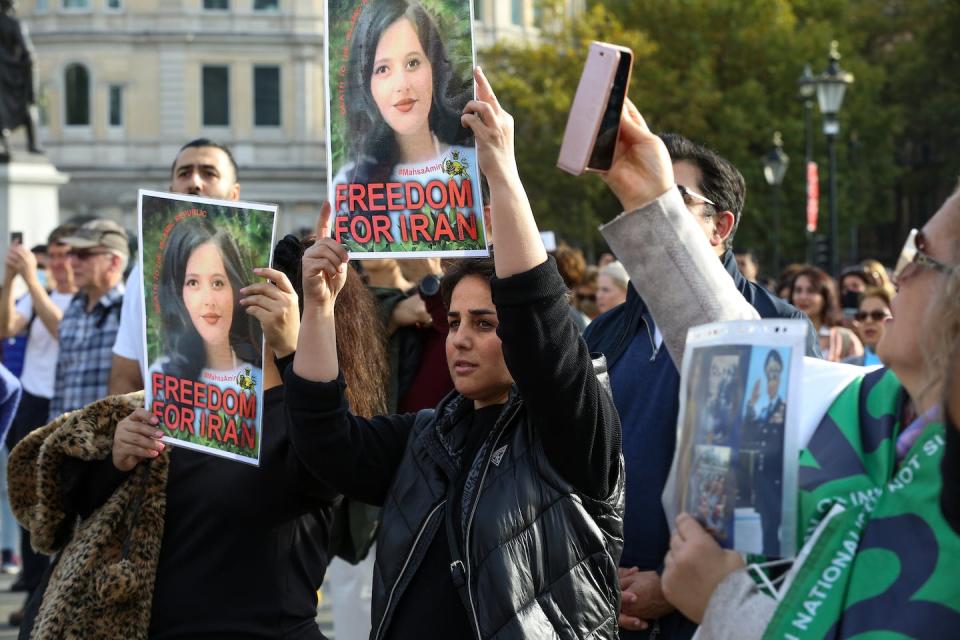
x=593 y=125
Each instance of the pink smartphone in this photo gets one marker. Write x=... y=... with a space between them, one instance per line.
x=594 y=121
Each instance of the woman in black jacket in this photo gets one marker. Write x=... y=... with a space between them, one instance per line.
x=502 y=507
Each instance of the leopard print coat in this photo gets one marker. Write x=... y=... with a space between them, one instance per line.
x=102 y=586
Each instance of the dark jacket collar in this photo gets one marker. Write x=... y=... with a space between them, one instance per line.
x=612 y=332
x=445 y=437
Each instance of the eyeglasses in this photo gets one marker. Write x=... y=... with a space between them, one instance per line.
x=85 y=254
x=876 y=316
x=913 y=258
x=690 y=197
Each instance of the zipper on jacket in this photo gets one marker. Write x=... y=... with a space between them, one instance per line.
x=457 y=573
x=466 y=544
x=653 y=343
x=406 y=562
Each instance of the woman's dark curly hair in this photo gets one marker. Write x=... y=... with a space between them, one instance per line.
x=361 y=345
x=374 y=150
x=182 y=344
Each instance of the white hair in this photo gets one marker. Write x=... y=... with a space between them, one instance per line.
x=616 y=272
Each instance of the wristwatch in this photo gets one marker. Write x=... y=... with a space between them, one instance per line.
x=429 y=286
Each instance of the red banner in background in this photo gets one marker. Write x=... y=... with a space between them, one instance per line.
x=813 y=196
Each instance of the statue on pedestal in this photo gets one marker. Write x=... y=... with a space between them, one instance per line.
x=17 y=97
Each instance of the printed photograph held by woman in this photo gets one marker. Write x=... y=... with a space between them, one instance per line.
x=204 y=351
x=403 y=174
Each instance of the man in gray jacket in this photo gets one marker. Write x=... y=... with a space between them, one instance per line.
x=712 y=191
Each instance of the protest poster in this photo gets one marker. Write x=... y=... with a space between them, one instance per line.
x=737 y=452
x=402 y=170
x=204 y=353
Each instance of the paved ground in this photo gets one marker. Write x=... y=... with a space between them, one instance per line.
x=10 y=602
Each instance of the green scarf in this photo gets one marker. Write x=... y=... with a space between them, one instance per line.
x=888 y=566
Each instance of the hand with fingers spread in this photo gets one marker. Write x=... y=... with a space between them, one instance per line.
x=136 y=438
x=694 y=566
x=324 y=266
x=493 y=129
x=275 y=305
x=641 y=170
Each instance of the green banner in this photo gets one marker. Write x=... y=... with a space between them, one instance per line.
x=887 y=566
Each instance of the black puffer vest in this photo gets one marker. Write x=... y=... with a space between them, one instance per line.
x=536 y=560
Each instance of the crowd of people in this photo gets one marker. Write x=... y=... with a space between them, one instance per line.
x=474 y=448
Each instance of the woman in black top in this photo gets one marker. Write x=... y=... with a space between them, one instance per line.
x=244 y=549
x=502 y=508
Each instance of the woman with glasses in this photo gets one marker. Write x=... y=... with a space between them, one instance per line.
x=869 y=321
x=815 y=293
x=885 y=562
x=586 y=292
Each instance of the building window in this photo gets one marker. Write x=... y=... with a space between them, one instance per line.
x=266 y=5
x=115 y=118
x=266 y=96
x=516 y=11
x=76 y=4
x=216 y=96
x=43 y=106
x=40 y=6
x=114 y=4
x=216 y=4
x=478 y=9
x=77 y=89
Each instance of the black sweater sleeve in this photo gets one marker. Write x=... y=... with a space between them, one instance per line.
x=356 y=456
x=551 y=366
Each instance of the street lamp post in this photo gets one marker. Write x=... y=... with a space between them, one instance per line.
x=807 y=90
x=774 y=168
x=831 y=87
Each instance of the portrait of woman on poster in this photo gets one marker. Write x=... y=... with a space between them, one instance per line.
x=206 y=333
x=403 y=99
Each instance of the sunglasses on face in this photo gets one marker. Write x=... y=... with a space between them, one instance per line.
x=591 y=297
x=913 y=258
x=692 y=197
x=876 y=316
x=85 y=254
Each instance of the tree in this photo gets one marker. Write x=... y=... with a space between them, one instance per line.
x=723 y=74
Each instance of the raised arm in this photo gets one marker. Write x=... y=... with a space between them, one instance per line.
x=11 y=322
x=518 y=247
x=657 y=240
x=549 y=362
x=47 y=312
x=324 y=274
x=354 y=455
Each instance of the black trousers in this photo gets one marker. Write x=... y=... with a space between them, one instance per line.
x=31 y=414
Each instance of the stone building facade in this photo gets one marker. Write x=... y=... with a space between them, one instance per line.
x=123 y=83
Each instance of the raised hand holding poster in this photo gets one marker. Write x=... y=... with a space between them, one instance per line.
x=402 y=169
x=204 y=377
